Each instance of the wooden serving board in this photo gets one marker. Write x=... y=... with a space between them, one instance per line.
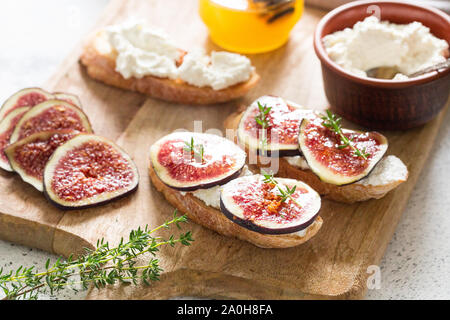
x=331 y=265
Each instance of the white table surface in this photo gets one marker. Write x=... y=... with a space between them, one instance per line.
x=35 y=36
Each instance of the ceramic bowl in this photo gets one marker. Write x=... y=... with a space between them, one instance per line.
x=376 y=103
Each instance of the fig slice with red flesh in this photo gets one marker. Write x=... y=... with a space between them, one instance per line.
x=29 y=156
x=257 y=205
x=280 y=138
x=25 y=97
x=7 y=126
x=333 y=163
x=51 y=115
x=68 y=97
x=88 y=171
x=185 y=169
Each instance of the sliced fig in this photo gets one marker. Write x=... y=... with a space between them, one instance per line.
x=188 y=169
x=68 y=97
x=7 y=126
x=25 y=97
x=51 y=115
x=29 y=156
x=87 y=171
x=257 y=205
x=331 y=160
x=281 y=134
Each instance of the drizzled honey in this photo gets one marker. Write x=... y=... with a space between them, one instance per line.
x=250 y=26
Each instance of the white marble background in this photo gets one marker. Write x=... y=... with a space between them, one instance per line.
x=35 y=36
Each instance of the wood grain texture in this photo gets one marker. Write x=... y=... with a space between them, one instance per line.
x=331 y=265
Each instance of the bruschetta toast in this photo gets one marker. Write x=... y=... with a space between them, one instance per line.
x=99 y=58
x=193 y=188
x=386 y=173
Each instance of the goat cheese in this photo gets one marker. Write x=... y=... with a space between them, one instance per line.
x=142 y=51
x=373 y=43
x=222 y=70
x=388 y=170
x=211 y=196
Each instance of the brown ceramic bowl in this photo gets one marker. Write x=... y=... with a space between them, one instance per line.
x=383 y=104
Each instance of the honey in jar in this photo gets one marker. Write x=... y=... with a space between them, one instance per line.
x=250 y=26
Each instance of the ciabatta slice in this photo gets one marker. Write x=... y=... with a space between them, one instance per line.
x=371 y=187
x=211 y=218
x=100 y=60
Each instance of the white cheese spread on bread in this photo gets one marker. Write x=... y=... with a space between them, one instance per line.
x=388 y=170
x=211 y=196
x=143 y=50
x=221 y=70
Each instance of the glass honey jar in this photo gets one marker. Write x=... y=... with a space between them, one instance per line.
x=250 y=26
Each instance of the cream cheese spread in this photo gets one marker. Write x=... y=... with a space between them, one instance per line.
x=143 y=50
x=373 y=43
x=211 y=196
x=388 y=170
x=297 y=161
x=221 y=70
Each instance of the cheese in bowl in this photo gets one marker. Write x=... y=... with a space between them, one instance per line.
x=372 y=43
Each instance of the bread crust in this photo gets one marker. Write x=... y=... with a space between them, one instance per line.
x=100 y=61
x=211 y=218
x=350 y=193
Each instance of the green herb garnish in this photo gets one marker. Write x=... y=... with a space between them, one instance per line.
x=100 y=267
x=333 y=123
x=262 y=120
x=196 y=151
x=284 y=193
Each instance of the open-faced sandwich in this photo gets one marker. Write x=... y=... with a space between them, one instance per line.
x=140 y=58
x=206 y=177
x=48 y=141
x=343 y=165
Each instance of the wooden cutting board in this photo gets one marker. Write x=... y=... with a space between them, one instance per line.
x=331 y=265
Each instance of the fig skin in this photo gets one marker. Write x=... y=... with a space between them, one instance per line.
x=68 y=97
x=206 y=185
x=11 y=103
x=104 y=199
x=254 y=226
x=7 y=124
x=323 y=175
x=87 y=206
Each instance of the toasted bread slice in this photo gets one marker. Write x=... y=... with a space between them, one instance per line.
x=100 y=60
x=213 y=219
x=358 y=191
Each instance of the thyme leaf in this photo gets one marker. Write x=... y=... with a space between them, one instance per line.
x=333 y=122
x=196 y=151
x=284 y=193
x=263 y=121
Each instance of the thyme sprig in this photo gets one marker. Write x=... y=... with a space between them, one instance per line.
x=284 y=193
x=263 y=121
x=196 y=151
x=333 y=122
x=100 y=267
